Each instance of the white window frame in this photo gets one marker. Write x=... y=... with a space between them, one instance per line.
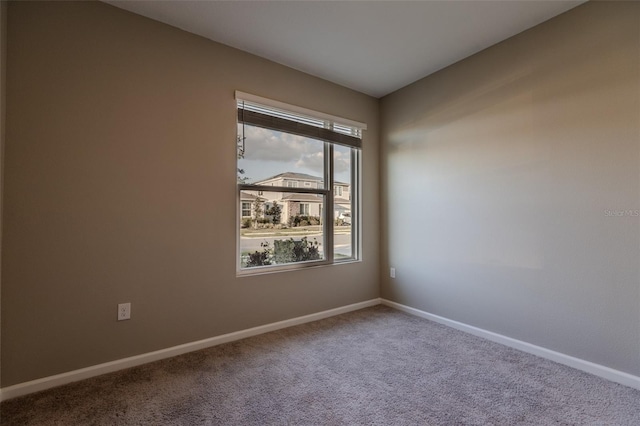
x=353 y=130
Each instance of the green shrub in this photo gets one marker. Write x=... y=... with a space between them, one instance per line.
x=288 y=251
x=293 y=221
x=275 y=211
x=260 y=258
x=303 y=220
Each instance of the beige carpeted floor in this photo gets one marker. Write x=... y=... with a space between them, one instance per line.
x=376 y=366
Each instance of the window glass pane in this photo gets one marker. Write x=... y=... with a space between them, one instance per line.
x=273 y=158
x=342 y=203
x=283 y=228
x=246 y=209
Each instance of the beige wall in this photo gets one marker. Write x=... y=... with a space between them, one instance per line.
x=120 y=186
x=498 y=173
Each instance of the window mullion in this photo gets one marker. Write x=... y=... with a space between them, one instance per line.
x=355 y=204
x=329 y=210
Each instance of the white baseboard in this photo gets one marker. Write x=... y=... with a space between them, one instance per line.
x=577 y=363
x=108 y=367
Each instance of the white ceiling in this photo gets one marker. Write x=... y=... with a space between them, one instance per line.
x=374 y=47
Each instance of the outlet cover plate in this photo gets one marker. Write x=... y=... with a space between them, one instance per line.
x=124 y=311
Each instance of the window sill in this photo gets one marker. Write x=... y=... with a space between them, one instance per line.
x=265 y=270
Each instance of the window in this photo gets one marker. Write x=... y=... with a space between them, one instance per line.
x=246 y=209
x=292 y=224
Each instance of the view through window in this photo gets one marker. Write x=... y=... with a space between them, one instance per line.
x=297 y=189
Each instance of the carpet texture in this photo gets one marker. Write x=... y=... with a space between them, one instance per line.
x=376 y=366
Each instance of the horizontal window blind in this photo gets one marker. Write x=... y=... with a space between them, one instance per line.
x=269 y=117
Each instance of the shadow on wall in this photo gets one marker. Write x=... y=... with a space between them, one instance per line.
x=478 y=159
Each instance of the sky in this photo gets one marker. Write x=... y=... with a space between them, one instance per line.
x=269 y=152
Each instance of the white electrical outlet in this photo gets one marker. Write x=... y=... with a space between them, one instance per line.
x=124 y=311
x=392 y=272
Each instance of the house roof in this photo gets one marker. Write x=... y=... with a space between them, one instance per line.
x=247 y=196
x=302 y=197
x=298 y=176
x=291 y=175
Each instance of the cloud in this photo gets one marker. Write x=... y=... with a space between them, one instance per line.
x=311 y=161
x=270 y=145
x=269 y=152
x=341 y=160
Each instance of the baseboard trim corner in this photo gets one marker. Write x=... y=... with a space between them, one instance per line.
x=44 y=383
x=577 y=363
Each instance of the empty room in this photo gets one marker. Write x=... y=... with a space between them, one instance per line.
x=320 y=212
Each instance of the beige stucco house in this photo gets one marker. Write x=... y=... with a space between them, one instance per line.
x=296 y=204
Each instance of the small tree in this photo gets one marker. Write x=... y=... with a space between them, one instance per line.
x=257 y=211
x=276 y=212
